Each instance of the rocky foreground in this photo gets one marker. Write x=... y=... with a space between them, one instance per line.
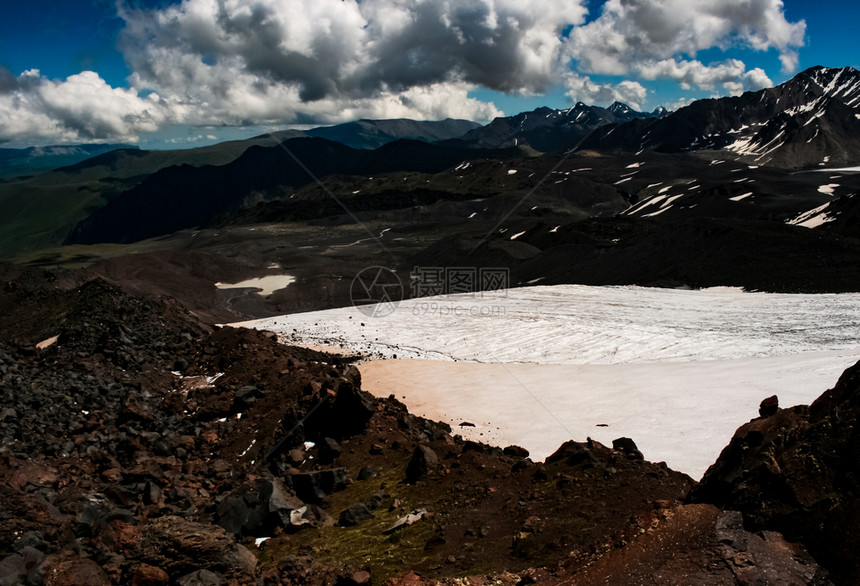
x=146 y=447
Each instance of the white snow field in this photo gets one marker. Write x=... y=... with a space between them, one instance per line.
x=678 y=371
x=266 y=285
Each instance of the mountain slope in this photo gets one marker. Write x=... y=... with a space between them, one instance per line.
x=184 y=197
x=810 y=120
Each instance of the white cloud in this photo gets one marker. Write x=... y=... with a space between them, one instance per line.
x=584 y=89
x=81 y=108
x=292 y=60
x=694 y=74
x=629 y=33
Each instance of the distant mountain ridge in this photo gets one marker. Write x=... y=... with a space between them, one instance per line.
x=372 y=134
x=810 y=120
x=34 y=160
x=547 y=130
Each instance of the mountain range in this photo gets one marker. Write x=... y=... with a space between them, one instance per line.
x=33 y=160
x=812 y=120
x=547 y=130
x=587 y=194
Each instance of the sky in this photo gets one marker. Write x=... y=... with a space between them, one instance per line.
x=184 y=73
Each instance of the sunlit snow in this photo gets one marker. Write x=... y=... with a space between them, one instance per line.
x=678 y=371
x=267 y=285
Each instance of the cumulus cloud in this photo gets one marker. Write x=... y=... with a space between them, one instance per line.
x=83 y=107
x=584 y=89
x=291 y=60
x=346 y=48
x=631 y=34
x=732 y=74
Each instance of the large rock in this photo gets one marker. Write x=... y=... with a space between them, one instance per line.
x=180 y=546
x=354 y=515
x=342 y=416
x=796 y=472
x=628 y=447
x=313 y=487
x=23 y=567
x=257 y=508
x=423 y=460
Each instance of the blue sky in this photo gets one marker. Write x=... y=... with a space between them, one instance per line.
x=148 y=70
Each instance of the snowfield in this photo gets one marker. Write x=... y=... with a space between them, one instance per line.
x=678 y=371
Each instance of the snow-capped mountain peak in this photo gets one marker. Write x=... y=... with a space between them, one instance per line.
x=810 y=121
x=620 y=108
x=839 y=84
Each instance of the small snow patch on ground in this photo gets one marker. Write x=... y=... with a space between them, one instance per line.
x=554 y=230
x=635 y=165
x=266 y=285
x=828 y=189
x=813 y=218
x=512 y=171
x=47 y=343
x=517 y=235
x=741 y=197
x=472 y=215
x=625 y=180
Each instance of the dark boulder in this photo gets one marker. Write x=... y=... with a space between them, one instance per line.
x=769 y=406
x=628 y=447
x=313 y=487
x=575 y=454
x=516 y=451
x=258 y=508
x=423 y=460
x=329 y=450
x=354 y=515
x=344 y=414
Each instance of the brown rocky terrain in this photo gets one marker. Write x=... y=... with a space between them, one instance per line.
x=145 y=446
